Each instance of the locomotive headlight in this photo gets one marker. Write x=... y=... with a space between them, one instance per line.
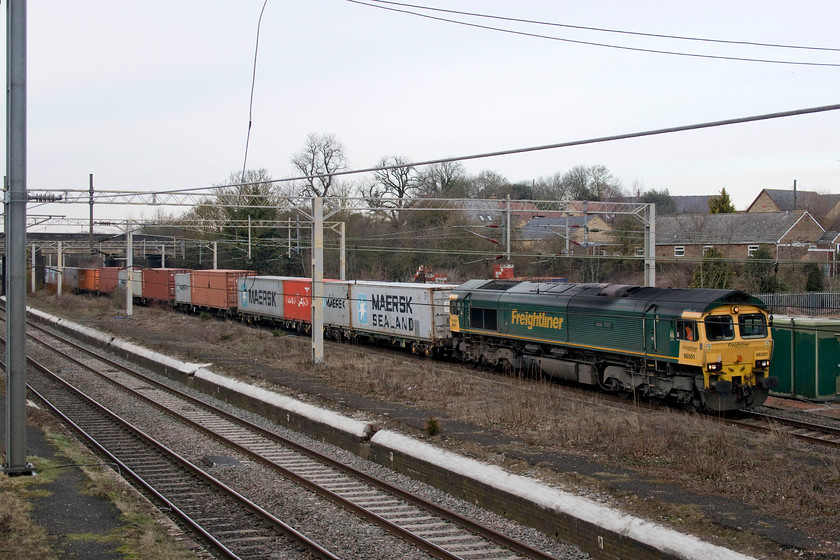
x=735 y=309
x=762 y=363
x=716 y=366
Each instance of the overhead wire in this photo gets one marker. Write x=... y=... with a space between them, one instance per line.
x=529 y=149
x=607 y=30
x=591 y=43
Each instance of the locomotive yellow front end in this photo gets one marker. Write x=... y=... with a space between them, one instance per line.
x=733 y=347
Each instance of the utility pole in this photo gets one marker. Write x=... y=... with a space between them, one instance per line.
x=129 y=271
x=507 y=227
x=15 y=212
x=317 y=295
x=91 y=214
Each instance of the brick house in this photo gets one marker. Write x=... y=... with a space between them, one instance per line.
x=824 y=207
x=788 y=235
x=589 y=231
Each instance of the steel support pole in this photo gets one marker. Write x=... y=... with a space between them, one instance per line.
x=15 y=208
x=129 y=271
x=650 y=245
x=317 y=280
x=507 y=227
x=60 y=267
x=343 y=255
x=90 y=234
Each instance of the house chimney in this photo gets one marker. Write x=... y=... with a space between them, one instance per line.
x=794 y=194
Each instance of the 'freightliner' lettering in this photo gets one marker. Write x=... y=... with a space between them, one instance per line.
x=533 y=319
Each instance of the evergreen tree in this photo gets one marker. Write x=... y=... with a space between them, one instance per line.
x=721 y=204
x=814 y=280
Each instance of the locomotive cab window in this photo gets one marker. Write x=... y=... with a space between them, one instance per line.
x=752 y=325
x=686 y=330
x=483 y=318
x=719 y=327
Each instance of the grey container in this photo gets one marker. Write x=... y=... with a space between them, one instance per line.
x=183 y=291
x=261 y=296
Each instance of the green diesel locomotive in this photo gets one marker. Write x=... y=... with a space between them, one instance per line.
x=709 y=349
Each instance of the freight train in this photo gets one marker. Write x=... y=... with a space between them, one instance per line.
x=705 y=349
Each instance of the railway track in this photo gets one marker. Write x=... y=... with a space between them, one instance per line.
x=798 y=429
x=439 y=532
x=229 y=524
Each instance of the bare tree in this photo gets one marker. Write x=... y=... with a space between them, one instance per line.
x=594 y=182
x=392 y=188
x=550 y=188
x=576 y=183
x=444 y=180
x=321 y=156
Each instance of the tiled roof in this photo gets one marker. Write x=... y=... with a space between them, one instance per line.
x=804 y=200
x=540 y=228
x=698 y=204
x=725 y=229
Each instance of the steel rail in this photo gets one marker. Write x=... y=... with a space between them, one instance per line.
x=393 y=527
x=279 y=527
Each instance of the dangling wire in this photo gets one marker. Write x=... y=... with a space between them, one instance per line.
x=251 y=103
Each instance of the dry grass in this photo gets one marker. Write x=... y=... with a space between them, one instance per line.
x=141 y=536
x=777 y=475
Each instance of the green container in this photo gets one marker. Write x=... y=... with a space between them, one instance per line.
x=806 y=357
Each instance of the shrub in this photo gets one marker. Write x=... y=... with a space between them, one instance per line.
x=432 y=426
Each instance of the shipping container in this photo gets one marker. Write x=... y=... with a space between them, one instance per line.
x=136 y=281
x=216 y=288
x=183 y=291
x=806 y=357
x=88 y=279
x=51 y=276
x=287 y=301
x=337 y=303
x=109 y=279
x=401 y=312
x=70 y=279
x=297 y=299
x=159 y=284
x=261 y=296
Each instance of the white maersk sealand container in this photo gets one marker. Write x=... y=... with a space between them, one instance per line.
x=402 y=312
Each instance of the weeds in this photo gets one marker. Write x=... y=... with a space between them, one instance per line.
x=432 y=426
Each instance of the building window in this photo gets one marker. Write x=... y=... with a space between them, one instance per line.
x=679 y=251
x=707 y=248
x=751 y=249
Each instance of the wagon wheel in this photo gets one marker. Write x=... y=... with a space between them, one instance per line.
x=624 y=394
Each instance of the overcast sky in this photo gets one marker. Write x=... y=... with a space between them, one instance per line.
x=154 y=95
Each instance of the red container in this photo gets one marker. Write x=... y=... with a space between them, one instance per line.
x=109 y=279
x=88 y=279
x=159 y=284
x=216 y=289
x=297 y=299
